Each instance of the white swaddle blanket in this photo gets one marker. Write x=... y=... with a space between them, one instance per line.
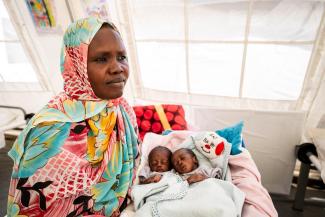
x=173 y=197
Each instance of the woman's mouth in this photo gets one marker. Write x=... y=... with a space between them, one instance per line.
x=118 y=82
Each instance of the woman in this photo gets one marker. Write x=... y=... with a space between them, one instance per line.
x=77 y=155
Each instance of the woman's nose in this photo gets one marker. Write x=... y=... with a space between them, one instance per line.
x=115 y=67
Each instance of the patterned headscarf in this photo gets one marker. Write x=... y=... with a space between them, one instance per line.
x=95 y=139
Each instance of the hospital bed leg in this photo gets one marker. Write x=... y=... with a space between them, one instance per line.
x=301 y=188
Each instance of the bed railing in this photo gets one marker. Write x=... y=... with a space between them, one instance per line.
x=15 y=107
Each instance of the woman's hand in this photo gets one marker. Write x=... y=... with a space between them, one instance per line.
x=196 y=178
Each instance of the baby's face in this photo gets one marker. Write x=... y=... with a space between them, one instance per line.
x=159 y=162
x=183 y=161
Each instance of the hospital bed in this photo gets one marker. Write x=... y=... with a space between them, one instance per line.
x=270 y=137
x=12 y=118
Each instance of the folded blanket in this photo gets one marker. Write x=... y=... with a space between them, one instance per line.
x=211 y=197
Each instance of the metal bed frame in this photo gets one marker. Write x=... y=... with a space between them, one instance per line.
x=307 y=155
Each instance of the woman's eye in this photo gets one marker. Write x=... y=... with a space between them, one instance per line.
x=100 y=59
x=121 y=58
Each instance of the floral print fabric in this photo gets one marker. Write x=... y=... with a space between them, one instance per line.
x=77 y=155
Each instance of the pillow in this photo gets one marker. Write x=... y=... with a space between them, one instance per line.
x=213 y=147
x=157 y=118
x=233 y=135
x=318 y=136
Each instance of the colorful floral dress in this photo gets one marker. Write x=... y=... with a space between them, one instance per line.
x=77 y=155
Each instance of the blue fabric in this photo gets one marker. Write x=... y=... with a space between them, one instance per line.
x=233 y=134
x=166 y=132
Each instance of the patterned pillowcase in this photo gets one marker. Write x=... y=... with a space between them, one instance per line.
x=149 y=119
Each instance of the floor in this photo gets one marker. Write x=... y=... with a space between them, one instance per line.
x=5 y=172
x=283 y=204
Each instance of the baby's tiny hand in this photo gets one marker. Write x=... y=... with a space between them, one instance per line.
x=156 y=178
x=152 y=179
x=196 y=178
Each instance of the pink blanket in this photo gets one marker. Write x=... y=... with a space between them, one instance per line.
x=244 y=174
x=247 y=178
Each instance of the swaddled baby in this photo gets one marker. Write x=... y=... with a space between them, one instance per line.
x=159 y=160
x=209 y=150
x=187 y=166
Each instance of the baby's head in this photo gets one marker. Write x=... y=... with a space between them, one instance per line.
x=184 y=160
x=160 y=159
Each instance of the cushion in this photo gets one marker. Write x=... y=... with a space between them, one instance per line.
x=150 y=119
x=233 y=135
x=318 y=137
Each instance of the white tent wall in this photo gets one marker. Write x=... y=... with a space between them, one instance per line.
x=305 y=102
x=316 y=115
x=312 y=98
x=43 y=49
x=200 y=99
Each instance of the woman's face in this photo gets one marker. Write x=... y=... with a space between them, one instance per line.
x=183 y=161
x=107 y=64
